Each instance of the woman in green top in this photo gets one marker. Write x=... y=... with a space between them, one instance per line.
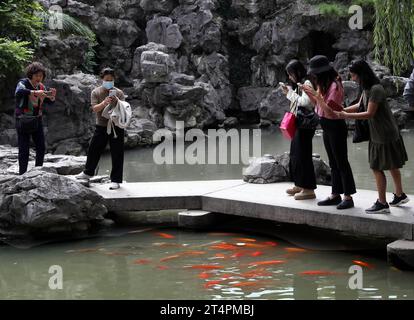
x=386 y=146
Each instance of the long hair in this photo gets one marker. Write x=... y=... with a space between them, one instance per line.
x=298 y=70
x=325 y=79
x=366 y=75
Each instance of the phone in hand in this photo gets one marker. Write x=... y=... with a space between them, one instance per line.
x=49 y=93
x=112 y=93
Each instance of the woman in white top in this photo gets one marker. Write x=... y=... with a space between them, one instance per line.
x=301 y=164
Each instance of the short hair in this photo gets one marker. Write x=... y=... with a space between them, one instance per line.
x=107 y=71
x=34 y=68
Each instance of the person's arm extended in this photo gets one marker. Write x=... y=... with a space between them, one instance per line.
x=370 y=113
x=354 y=108
x=302 y=100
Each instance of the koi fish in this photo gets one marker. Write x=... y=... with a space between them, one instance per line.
x=256 y=254
x=318 y=273
x=162 y=267
x=238 y=254
x=142 y=261
x=295 y=250
x=261 y=272
x=223 y=246
x=204 y=275
x=270 y=243
x=266 y=263
x=205 y=267
x=193 y=253
x=252 y=245
x=363 y=264
x=245 y=240
x=165 y=235
x=170 y=258
x=211 y=283
x=220 y=256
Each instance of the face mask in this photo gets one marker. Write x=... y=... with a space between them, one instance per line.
x=108 y=85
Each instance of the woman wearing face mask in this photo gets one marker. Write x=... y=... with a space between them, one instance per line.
x=31 y=94
x=301 y=163
x=386 y=146
x=101 y=97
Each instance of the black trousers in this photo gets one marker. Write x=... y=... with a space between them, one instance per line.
x=335 y=133
x=301 y=167
x=97 y=147
x=23 y=140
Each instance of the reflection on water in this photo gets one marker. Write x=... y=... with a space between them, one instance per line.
x=139 y=164
x=187 y=265
x=153 y=265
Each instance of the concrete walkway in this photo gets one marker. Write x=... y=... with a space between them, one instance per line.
x=268 y=202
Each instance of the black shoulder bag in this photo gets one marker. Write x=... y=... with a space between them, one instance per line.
x=306 y=119
x=361 y=133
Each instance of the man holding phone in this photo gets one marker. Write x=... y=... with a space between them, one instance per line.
x=31 y=94
x=102 y=97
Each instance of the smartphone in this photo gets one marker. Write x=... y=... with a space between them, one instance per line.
x=112 y=93
x=49 y=94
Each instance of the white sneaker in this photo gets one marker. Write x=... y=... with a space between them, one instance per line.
x=82 y=176
x=114 y=186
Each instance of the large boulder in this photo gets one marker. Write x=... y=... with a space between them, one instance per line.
x=60 y=164
x=250 y=98
x=42 y=202
x=273 y=169
x=71 y=118
x=163 y=30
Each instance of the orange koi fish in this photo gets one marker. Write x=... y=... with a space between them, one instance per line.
x=245 y=240
x=256 y=254
x=267 y=263
x=204 y=275
x=238 y=254
x=205 y=267
x=170 y=258
x=162 y=267
x=165 y=235
x=211 y=283
x=261 y=272
x=142 y=261
x=270 y=243
x=295 y=250
x=220 y=255
x=193 y=253
x=223 y=246
x=363 y=264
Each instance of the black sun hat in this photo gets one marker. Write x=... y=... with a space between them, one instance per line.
x=319 y=64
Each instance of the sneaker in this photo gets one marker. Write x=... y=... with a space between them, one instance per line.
x=346 y=204
x=378 y=208
x=114 y=186
x=305 y=195
x=399 y=200
x=293 y=191
x=330 y=202
x=82 y=176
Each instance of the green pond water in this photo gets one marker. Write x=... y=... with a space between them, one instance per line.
x=140 y=263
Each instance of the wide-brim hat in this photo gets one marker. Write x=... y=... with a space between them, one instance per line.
x=319 y=64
